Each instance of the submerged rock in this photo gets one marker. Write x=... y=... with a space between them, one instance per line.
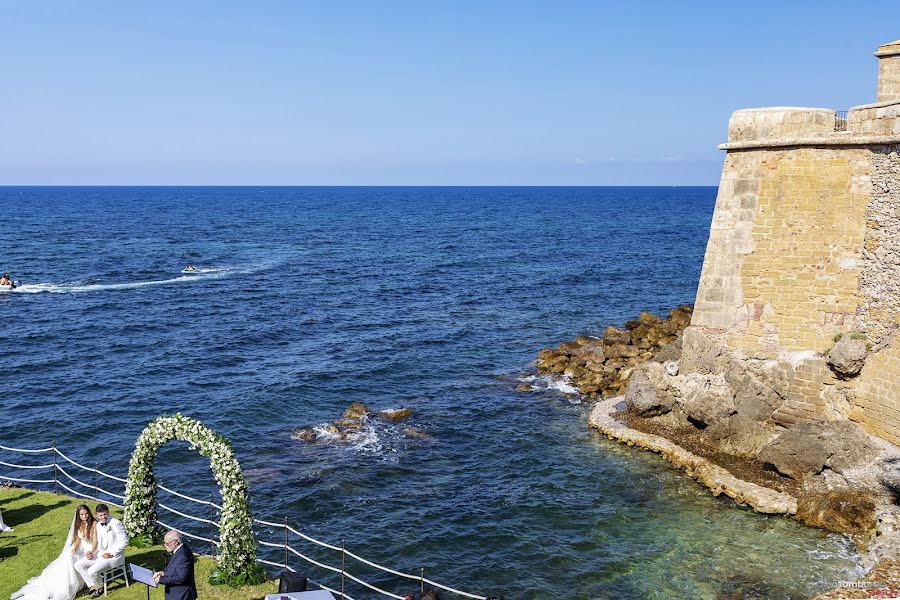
x=415 y=432
x=843 y=511
x=305 y=434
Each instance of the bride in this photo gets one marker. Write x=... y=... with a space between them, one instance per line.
x=59 y=580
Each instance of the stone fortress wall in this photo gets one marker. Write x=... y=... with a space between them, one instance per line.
x=802 y=268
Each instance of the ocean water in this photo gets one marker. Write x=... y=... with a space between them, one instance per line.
x=436 y=299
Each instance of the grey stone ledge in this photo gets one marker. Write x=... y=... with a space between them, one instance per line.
x=718 y=480
x=835 y=140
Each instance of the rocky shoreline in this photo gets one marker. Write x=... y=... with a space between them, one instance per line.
x=660 y=385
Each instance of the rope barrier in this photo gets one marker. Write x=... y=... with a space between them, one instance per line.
x=281 y=526
x=271 y=564
x=415 y=577
x=71 y=491
x=6 y=464
x=100 y=489
x=313 y=540
x=64 y=472
x=81 y=466
x=35 y=451
x=325 y=587
x=348 y=575
x=27 y=480
x=202 y=520
x=204 y=502
x=383 y=568
x=190 y=535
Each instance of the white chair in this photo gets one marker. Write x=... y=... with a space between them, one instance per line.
x=114 y=572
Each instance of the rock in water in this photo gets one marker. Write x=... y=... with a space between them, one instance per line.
x=357 y=410
x=305 y=434
x=395 y=415
x=415 y=433
x=844 y=511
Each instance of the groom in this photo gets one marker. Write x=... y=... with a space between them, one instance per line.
x=112 y=540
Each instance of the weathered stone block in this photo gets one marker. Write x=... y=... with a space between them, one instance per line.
x=807 y=448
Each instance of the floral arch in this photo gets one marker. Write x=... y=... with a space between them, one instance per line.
x=236 y=559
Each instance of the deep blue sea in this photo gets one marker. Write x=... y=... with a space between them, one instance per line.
x=436 y=299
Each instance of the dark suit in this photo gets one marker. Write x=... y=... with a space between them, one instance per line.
x=179 y=575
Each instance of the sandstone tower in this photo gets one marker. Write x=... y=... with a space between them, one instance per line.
x=799 y=297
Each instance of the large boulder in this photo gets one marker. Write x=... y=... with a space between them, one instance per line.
x=706 y=399
x=844 y=511
x=740 y=436
x=648 y=393
x=847 y=356
x=703 y=353
x=807 y=448
x=760 y=387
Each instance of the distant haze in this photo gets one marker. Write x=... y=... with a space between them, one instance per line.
x=411 y=93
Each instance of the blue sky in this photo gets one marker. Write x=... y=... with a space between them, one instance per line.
x=411 y=93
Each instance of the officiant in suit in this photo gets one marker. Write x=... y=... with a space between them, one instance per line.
x=179 y=574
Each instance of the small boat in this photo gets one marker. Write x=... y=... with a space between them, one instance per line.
x=190 y=269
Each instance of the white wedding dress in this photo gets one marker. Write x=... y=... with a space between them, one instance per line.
x=59 y=580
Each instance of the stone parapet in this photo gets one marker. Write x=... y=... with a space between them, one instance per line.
x=757 y=124
x=880 y=119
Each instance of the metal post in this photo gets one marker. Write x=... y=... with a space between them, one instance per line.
x=212 y=517
x=96 y=483
x=55 y=469
x=422 y=583
x=286 y=568
x=343 y=567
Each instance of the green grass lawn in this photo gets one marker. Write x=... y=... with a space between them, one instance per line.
x=41 y=521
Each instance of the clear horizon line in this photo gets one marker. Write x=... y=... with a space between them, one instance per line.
x=363 y=185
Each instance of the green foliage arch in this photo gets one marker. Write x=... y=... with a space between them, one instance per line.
x=236 y=557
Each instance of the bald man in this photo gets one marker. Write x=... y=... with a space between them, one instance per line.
x=179 y=574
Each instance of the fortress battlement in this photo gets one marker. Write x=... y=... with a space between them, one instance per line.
x=804 y=249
